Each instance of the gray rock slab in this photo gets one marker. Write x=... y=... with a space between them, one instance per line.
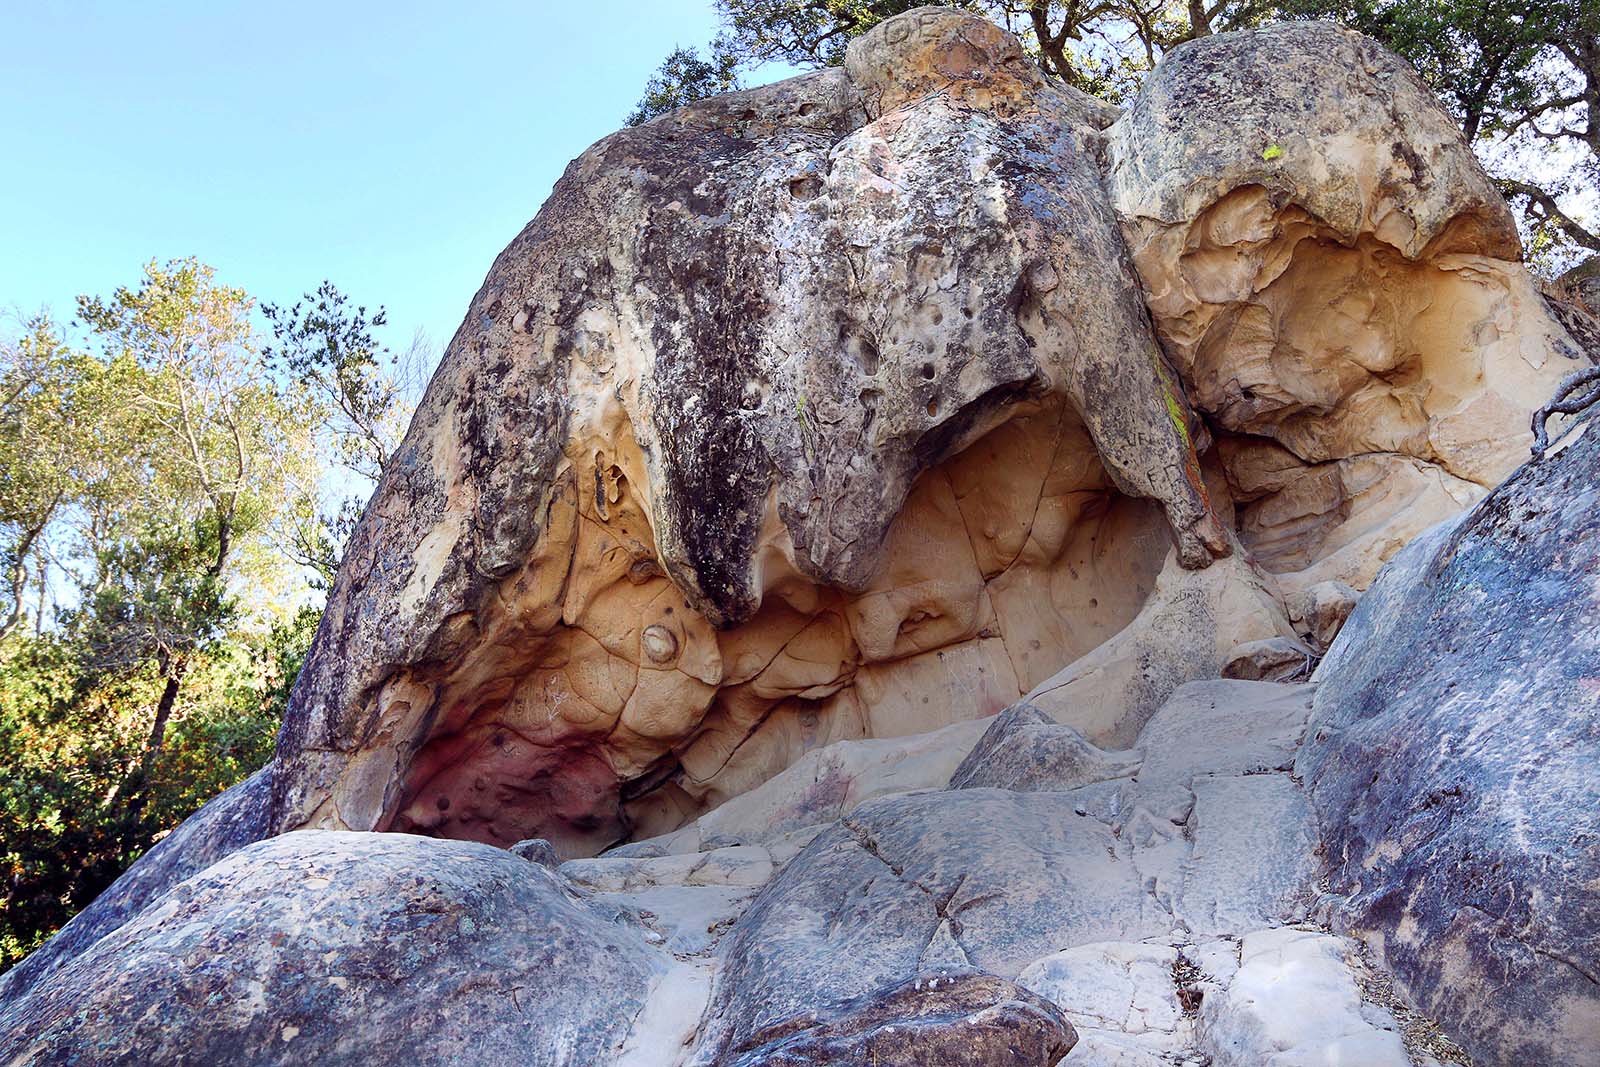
x=330 y=947
x=909 y=885
x=1253 y=862
x=1452 y=759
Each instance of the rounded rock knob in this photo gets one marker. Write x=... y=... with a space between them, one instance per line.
x=659 y=644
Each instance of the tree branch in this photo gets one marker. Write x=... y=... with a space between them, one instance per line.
x=1550 y=212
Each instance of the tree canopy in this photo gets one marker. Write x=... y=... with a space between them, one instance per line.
x=164 y=474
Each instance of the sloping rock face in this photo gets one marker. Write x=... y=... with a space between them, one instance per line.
x=800 y=431
x=1453 y=765
x=1198 y=839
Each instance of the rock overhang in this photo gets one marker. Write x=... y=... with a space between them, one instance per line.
x=860 y=403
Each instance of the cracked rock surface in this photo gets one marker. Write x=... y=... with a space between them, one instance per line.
x=807 y=428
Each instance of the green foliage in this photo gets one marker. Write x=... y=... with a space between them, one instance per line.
x=810 y=33
x=328 y=344
x=71 y=734
x=152 y=618
x=684 y=78
x=60 y=426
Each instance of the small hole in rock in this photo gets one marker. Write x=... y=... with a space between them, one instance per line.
x=806 y=188
x=927 y=371
x=933 y=407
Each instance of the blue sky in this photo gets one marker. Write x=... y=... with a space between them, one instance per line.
x=393 y=148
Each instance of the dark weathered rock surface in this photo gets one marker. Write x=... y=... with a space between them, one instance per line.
x=1454 y=763
x=329 y=947
x=536 y=850
x=958 y=1019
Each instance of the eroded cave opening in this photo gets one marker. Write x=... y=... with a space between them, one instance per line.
x=627 y=714
x=1344 y=394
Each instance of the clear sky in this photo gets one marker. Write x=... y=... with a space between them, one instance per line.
x=393 y=148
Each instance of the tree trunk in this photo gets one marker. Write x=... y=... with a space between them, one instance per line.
x=134 y=791
x=158 y=728
x=1052 y=48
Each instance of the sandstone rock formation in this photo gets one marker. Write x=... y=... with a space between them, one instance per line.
x=659 y=524
x=833 y=410
x=803 y=429
x=1335 y=280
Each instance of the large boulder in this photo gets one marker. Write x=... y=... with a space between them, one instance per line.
x=833 y=410
x=694 y=395
x=1335 y=279
x=1452 y=764
x=947 y=1020
x=329 y=947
